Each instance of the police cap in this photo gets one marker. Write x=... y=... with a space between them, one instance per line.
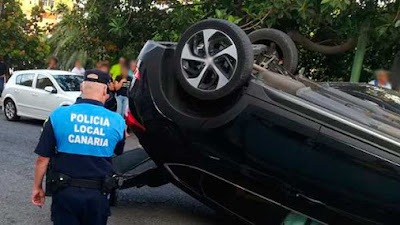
x=97 y=76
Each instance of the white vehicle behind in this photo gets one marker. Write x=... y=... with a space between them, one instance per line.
x=36 y=93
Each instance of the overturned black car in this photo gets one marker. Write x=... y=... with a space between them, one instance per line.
x=227 y=122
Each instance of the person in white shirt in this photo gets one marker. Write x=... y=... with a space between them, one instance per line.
x=78 y=69
x=381 y=79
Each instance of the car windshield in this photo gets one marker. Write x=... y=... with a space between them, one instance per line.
x=390 y=97
x=354 y=102
x=69 y=82
x=341 y=102
x=383 y=97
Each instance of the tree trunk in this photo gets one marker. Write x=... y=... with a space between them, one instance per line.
x=359 y=57
x=1 y=7
x=395 y=72
x=324 y=49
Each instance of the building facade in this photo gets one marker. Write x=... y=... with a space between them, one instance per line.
x=49 y=6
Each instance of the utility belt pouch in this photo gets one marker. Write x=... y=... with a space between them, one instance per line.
x=57 y=181
x=49 y=184
x=109 y=184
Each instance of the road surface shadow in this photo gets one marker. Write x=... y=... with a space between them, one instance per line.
x=25 y=121
x=167 y=204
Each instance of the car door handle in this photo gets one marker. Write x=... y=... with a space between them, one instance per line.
x=35 y=94
x=16 y=91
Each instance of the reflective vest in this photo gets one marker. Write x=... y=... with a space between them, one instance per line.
x=87 y=129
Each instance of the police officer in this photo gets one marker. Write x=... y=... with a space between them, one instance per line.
x=81 y=140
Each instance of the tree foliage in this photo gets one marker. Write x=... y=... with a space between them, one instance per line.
x=326 y=31
x=21 y=41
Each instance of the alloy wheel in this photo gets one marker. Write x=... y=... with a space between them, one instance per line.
x=209 y=60
x=10 y=110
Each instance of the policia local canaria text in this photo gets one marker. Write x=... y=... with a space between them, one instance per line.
x=91 y=125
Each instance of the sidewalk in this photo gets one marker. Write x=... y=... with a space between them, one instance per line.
x=131 y=142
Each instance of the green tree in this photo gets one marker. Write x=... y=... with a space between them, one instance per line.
x=327 y=31
x=22 y=42
x=111 y=28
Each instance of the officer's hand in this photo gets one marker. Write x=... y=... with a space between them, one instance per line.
x=38 y=197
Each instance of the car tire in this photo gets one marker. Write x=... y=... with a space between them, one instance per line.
x=226 y=64
x=283 y=41
x=10 y=110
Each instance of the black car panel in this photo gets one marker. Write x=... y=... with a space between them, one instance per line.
x=293 y=151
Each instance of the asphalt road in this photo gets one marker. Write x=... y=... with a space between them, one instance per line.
x=164 y=205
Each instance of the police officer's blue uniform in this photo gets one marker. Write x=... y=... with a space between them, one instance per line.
x=81 y=139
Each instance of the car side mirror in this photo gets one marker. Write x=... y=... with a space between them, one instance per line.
x=50 y=89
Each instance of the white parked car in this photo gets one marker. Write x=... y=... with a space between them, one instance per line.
x=36 y=93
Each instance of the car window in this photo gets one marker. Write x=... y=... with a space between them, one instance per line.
x=385 y=95
x=18 y=79
x=25 y=80
x=385 y=98
x=356 y=108
x=43 y=81
x=69 y=82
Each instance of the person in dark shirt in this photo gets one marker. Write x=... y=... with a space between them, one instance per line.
x=121 y=86
x=80 y=140
x=111 y=102
x=3 y=73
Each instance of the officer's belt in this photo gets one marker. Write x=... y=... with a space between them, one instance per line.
x=58 y=181
x=85 y=183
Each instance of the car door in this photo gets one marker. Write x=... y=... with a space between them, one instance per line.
x=23 y=94
x=46 y=101
x=15 y=90
x=279 y=146
x=359 y=175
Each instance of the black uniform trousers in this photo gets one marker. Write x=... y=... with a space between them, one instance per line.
x=80 y=206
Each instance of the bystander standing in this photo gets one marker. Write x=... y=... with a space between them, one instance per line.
x=116 y=69
x=104 y=66
x=78 y=69
x=121 y=86
x=132 y=68
x=381 y=79
x=3 y=74
x=53 y=63
x=107 y=62
x=98 y=64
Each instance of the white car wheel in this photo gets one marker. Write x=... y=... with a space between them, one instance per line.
x=10 y=110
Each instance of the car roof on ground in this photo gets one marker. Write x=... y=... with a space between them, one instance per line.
x=48 y=72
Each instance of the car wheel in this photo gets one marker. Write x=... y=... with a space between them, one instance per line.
x=213 y=58
x=10 y=110
x=281 y=50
